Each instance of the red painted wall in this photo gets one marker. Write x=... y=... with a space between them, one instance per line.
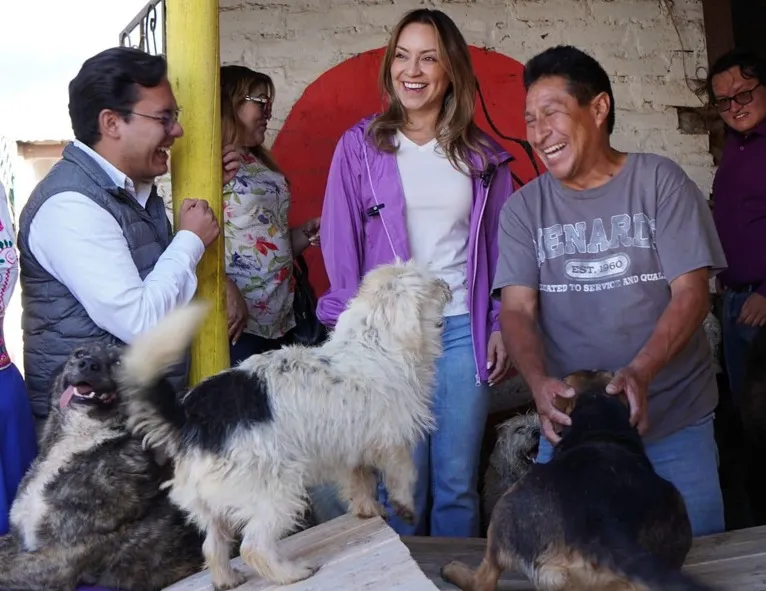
x=343 y=95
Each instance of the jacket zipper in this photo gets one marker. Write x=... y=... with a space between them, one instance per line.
x=488 y=187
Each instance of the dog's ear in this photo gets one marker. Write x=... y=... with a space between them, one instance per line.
x=566 y=405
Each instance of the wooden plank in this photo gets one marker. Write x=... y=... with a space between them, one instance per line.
x=732 y=544
x=732 y=561
x=352 y=554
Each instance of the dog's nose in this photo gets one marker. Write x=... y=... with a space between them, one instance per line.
x=89 y=364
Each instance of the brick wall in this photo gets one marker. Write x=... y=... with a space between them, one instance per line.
x=648 y=49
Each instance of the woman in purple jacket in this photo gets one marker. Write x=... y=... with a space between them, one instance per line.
x=421 y=181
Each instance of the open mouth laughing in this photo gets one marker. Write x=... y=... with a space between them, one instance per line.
x=553 y=152
x=85 y=393
x=414 y=86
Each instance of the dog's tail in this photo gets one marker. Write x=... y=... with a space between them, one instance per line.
x=151 y=405
x=639 y=566
x=657 y=576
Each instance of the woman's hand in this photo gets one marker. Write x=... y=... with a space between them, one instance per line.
x=497 y=359
x=236 y=311
x=311 y=231
x=305 y=235
x=230 y=163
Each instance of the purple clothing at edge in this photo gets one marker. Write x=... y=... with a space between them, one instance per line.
x=739 y=195
x=353 y=242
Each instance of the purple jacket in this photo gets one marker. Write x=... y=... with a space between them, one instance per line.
x=355 y=238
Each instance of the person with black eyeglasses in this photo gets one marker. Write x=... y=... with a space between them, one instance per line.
x=736 y=89
x=99 y=260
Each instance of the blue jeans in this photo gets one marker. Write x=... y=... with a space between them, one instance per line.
x=736 y=340
x=689 y=459
x=447 y=461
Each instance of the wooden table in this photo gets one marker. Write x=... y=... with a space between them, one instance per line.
x=353 y=555
x=734 y=561
x=366 y=554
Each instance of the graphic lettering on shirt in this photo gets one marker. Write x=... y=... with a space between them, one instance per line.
x=588 y=274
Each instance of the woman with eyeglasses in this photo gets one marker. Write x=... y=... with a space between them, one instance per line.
x=260 y=246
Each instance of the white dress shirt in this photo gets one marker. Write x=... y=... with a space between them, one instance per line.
x=82 y=246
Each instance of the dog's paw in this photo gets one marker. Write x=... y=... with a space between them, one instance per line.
x=455 y=572
x=295 y=573
x=404 y=512
x=230 y=580
x=367 y=509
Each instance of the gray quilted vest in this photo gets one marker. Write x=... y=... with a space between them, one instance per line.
x=53 y=321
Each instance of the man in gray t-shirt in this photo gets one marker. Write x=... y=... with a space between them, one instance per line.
x=604 y=264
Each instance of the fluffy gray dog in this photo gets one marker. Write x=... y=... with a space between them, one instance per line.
x=90 y=509
x=513 y=456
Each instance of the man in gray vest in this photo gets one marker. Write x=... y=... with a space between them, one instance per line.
x=97 y=255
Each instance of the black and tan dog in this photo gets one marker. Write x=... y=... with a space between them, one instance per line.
x=91 y=508
x=596 y=517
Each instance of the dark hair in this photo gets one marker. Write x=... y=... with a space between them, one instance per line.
x=457 y=133
x=750 y=64
x=110 y=80
x=585 y=77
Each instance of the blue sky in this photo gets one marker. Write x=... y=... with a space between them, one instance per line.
x=42 y=46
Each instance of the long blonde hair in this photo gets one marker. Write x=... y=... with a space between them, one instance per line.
x=236 y=83
x=456 y=130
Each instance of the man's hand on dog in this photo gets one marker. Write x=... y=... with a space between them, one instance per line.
x=635 y=385
x=545 y=394
x=236 y=311
x=197 y=217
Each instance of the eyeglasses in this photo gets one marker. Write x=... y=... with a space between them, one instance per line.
x=263 y=101
x=743 y=98
x=168 y=120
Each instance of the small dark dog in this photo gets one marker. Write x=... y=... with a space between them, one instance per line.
x=596 y=517
x=514 y=454
x=91 y=510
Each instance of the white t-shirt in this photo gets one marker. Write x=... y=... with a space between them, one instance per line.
x=438 y=208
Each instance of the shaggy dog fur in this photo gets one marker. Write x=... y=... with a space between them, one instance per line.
x=596 y=517
x=90 y=509
x=514 y=454
x=248 y=441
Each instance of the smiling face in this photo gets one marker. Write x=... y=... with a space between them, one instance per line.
x=253 y=115
x=566 y=135
x=145 y=138
x=730 y=84
x=419 y=79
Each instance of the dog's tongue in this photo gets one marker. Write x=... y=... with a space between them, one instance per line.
x=66 y=397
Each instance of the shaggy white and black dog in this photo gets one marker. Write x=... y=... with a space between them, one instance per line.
x=248 y=441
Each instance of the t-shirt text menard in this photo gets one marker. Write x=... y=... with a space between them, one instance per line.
x=603 y=260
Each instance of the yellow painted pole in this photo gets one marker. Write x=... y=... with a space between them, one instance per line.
x=193 y=70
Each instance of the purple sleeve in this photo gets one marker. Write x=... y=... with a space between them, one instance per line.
x=341 y=231
x=502 y=188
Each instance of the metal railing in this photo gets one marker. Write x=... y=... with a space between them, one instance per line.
x=147 y=30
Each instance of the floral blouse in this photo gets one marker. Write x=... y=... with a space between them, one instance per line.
x=9 y=268
x=259 y=257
